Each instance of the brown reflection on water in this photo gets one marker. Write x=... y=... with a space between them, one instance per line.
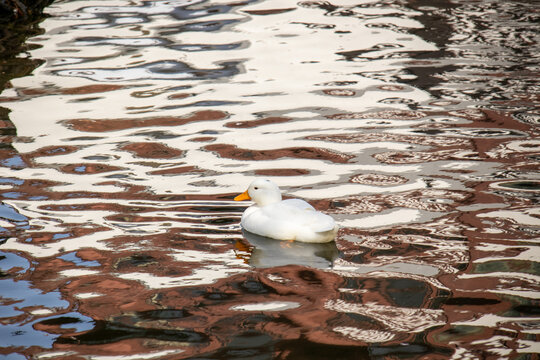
x=152 y=150
x=359 y=137
x=281 y=172
x=90 y=125
x=89 y=89
x=178 y=170
x=322 y=307
x=255 y=123
x=233 y=152
x=89 y=168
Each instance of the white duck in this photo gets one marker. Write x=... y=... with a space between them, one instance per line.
x=292 y=219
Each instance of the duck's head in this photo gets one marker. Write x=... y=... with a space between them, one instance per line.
x=262 y=192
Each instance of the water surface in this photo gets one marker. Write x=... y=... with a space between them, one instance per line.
x=413 y=123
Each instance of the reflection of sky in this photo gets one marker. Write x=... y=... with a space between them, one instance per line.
x=10 y=261
x=72 y=257
x=17 y=295
x=20 y=297
x=14 y=162
x=22 y=294
x=9 y=213
x=25 y=335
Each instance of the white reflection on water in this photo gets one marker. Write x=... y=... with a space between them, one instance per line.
x=213 y=267
x=95 y=241
x=78 y=272
x=267 y=306
x=152 y=355
x=267 y=62
x=395 y=319
x=399 y=216
x=366 y=335
x=527 y=217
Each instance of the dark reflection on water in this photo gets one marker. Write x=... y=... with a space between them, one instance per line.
x=166 y=70
x=121 y=153
x=106 y=333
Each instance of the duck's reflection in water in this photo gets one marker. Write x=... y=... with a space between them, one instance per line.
x=266 y=252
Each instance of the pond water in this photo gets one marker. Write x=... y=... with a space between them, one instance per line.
x=413 y=123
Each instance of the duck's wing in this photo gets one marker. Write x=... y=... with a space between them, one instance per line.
x=303 y=214
x=297 y=203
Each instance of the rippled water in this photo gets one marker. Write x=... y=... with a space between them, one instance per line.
x=413 y=123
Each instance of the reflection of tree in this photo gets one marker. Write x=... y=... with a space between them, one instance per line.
x=22 y=10
x=18 y=22
x=437 y=30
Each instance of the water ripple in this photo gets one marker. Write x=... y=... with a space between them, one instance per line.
x=122 y=153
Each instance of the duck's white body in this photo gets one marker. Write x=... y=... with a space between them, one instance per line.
x=279 y=219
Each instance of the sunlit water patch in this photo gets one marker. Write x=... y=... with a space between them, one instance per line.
x=413 y=124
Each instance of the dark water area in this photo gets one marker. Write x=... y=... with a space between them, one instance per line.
x=128 y=127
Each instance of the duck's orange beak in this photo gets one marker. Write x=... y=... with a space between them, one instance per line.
x=242 y=196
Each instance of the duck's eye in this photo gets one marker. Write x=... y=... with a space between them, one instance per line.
x=256 y=188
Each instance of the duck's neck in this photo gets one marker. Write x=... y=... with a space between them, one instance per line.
x=268 y=199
